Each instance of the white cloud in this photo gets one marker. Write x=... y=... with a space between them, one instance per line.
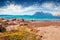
x=53 y=9
x=15 y=9
x=19 y=10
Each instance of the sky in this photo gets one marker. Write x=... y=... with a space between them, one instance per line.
x=29 y=7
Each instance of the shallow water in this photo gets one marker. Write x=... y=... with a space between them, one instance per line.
x=39 y=18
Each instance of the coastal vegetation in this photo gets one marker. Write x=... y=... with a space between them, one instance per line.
x=20 y=33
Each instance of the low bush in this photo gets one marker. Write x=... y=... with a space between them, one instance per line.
x=22 y=35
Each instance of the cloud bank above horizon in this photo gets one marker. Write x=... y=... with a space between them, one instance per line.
x=46 y=7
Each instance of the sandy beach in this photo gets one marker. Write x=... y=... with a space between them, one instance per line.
x=48 y=30
x=45 y=30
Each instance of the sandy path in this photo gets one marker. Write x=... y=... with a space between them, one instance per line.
x=50 y=33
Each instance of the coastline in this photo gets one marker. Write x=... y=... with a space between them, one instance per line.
x=45 y=30
x=33 y=23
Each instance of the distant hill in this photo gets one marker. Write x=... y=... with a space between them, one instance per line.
x=45 y=15
x=42 y=14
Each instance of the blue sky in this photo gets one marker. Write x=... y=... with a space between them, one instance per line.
x=29 y=7
x=27 y=2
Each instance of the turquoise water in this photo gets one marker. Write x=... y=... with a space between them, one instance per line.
x=30 y=17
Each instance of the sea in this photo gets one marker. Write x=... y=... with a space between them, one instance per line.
x=25 y=17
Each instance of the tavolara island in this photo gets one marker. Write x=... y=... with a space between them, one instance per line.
x=20 y=29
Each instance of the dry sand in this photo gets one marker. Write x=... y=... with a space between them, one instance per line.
x=48 y=30
x=49 y=33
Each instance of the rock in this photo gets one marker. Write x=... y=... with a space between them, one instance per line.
x=21 y=20
x=13 y=19
x=1 y=19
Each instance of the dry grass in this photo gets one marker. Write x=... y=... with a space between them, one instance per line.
x=23 y=34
